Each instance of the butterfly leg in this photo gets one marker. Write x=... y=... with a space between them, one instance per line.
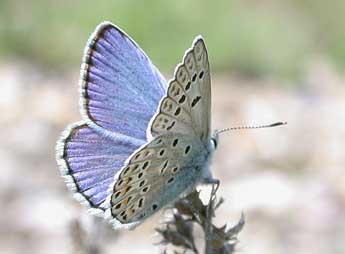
x=213 y=182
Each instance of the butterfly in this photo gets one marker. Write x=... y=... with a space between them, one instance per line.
x=143 y=142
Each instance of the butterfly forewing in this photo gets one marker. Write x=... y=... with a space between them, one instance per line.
x=120 y=91
x=155 y=176
x=187 y=106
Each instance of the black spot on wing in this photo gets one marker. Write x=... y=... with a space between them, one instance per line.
x=182 y=99
x=170 y=126
x=194 y=77
x=161 y=152
x=188 y=86
x=141 y=202
x=175 y=142
x=195 y=101
x=141 y=184
x=187 y=149
x=145 y=165
x=178 y=111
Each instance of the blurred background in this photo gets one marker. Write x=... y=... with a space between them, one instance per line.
x=271 y=60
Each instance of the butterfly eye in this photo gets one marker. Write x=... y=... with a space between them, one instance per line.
x=154 y=207
x=214 y=142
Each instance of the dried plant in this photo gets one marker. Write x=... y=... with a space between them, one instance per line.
x=189 y=212
x=179 y=234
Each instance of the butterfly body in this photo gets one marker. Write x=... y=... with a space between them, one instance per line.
x=143 y=142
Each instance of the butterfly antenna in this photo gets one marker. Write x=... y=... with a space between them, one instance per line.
x=252 y=127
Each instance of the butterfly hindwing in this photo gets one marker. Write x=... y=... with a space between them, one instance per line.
x=89 y=161
x=186 y=107
x=155 y=176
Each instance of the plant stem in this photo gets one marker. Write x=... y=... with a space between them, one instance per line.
x=208 y=221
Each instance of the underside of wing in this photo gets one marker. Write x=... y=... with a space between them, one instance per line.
x=186 y=107
x=155 y=176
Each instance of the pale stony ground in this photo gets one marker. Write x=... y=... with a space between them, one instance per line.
x=289 y=181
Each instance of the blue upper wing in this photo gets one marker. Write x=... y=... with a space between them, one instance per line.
x=89 y=161
x=120 y=92
x=120 y=86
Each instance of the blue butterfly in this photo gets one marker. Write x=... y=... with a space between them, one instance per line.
x=142 y=142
